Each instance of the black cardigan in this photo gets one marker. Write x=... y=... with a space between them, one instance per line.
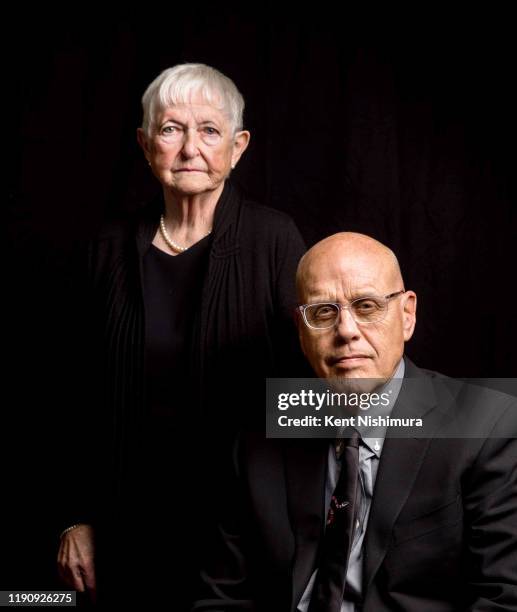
x=243 y=333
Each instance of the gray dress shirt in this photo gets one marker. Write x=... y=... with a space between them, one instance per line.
x=370 y=448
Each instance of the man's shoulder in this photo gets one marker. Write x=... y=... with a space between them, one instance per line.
x=473 y=406
x=411 y=370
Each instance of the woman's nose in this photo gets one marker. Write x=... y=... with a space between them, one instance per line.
x=190 y=144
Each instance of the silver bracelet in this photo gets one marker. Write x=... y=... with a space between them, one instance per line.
x=65 y=531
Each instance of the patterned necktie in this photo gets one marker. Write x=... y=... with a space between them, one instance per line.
x=329 y=585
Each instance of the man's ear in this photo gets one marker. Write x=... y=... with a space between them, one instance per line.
x=301 y=329
x=408 y=314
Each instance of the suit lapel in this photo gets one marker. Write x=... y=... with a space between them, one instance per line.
x=399 y=465
x=306 y=472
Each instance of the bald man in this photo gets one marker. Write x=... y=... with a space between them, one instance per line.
x=342 y=268
x=434 y=518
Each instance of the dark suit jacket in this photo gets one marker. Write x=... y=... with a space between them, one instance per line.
x=442 y=531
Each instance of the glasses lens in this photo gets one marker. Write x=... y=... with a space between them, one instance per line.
x=368 y=309
x=321 y=315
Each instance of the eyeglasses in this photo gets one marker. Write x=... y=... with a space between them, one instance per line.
x=367 y=309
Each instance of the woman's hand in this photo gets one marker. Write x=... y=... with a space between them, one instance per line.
x=75 y=560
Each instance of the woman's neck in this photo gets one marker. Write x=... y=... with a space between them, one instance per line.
x=190 y=217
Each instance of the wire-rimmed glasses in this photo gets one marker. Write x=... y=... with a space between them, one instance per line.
x=365 y=309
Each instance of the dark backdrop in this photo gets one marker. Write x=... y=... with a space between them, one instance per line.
x=406 y=134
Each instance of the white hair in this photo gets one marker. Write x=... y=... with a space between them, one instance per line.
x=179 y=84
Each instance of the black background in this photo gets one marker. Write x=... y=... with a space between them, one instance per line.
x=403 y=132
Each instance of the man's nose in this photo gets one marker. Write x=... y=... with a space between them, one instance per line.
x=346 y=326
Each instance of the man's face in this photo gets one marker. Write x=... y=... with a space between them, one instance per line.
x=350 y=349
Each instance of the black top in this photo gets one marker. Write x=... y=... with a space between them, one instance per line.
x=172 y=287
x=172 y=294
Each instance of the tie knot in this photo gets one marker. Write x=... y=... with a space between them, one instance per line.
x=352 y=440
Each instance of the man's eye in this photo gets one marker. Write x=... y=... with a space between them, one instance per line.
x=169 y=129
x=366 y=305
x=211 y=131
x=323 y=312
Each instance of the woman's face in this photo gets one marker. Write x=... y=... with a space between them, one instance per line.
x=192 y=148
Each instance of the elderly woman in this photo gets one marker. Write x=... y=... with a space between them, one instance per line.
x=186 y=309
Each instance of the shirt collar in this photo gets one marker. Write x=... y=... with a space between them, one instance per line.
x=372 y=436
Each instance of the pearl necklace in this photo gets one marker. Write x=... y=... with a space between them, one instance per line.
x=173 y=245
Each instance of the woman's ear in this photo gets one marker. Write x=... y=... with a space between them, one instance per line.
x=144 y=143
x=241 y=141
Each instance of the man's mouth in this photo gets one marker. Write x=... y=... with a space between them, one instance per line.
x=348 y=359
